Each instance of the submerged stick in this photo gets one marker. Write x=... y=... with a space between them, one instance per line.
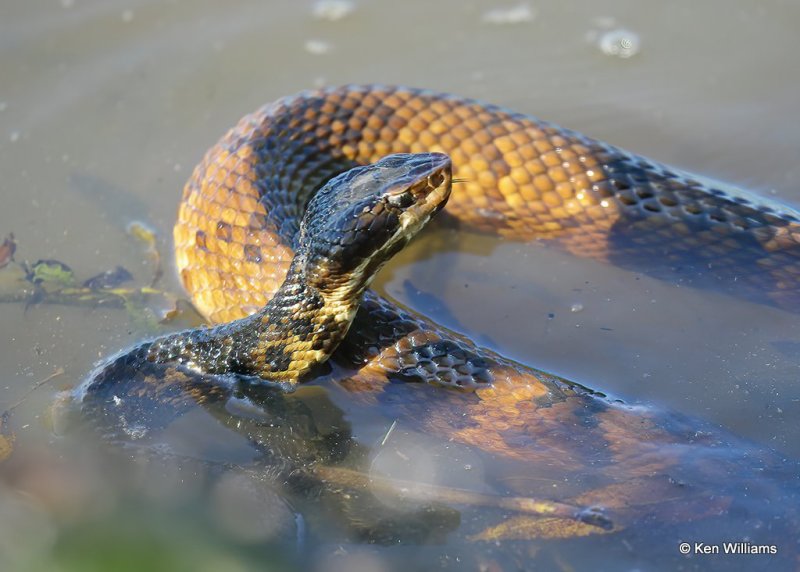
x=422 y=491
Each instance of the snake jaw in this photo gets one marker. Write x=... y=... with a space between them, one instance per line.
x=429 y=198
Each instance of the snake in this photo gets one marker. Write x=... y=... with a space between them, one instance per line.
x=266 y=245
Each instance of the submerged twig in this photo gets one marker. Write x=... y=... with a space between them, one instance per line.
x=423 y=491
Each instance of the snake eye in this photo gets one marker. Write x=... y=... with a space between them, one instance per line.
x=436 y=180
x=403 y=200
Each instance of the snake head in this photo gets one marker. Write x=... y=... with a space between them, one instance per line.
x=364 y=216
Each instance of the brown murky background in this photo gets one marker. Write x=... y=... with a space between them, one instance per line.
x=106 y=105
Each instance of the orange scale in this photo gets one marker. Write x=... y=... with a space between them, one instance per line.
x=471 y=147
x=460 y=132
x=487 y=180
x=507 y=187
x=565 y=189
x=228 y=215
x=219 y=298
x=551 y=159
x=478 y=163
x=551 y=199
x=374 y=122
x=428 y=115
x=417 y=123
x=459 y=158
x=428 y=139
x=515 y=201
x=394 y=101
x=382 y=148
x=440 y=107
x=405 y=112
x=507 y=147
x=474 y=125
x=369 y=135
x=387 y=133
x=438 y=127
x=530 y=193
x=581 y=182
x=365 y=148
x=543 y=183
x=496 y=130
x=463 y=111
x=355 y=123
x=417 y=104
x=448 y=142
x=350 y=151
x=529 y=153
x=576 y=168
x=543 y=146
x=520 y=175
x=220 y=195
x=478 y=198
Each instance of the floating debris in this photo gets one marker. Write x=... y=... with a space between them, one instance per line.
x=513 y=15
x=108 y=279
x=52 y=272
x=333 y=10
x=621 y=43
x=317 y=47
x=147 y=236
x=142 y=232
x=576 y=307
x=7 y=250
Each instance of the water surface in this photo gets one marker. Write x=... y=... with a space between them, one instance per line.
x=105 y=106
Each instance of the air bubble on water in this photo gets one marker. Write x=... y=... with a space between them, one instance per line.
x=317 y=47
x=511 y=15
x=135 y=431
x=621 y=43
x=333 y=10
x=576 y=307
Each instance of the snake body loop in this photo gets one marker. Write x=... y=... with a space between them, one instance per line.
x=523 y=178
x=237 y=234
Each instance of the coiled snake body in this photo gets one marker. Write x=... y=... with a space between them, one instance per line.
x=235 y=240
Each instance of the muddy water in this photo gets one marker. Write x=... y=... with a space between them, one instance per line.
x=105 y=106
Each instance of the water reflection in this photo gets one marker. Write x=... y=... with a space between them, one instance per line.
x=580 y=467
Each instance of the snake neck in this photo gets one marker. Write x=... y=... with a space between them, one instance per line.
x=298 y=329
